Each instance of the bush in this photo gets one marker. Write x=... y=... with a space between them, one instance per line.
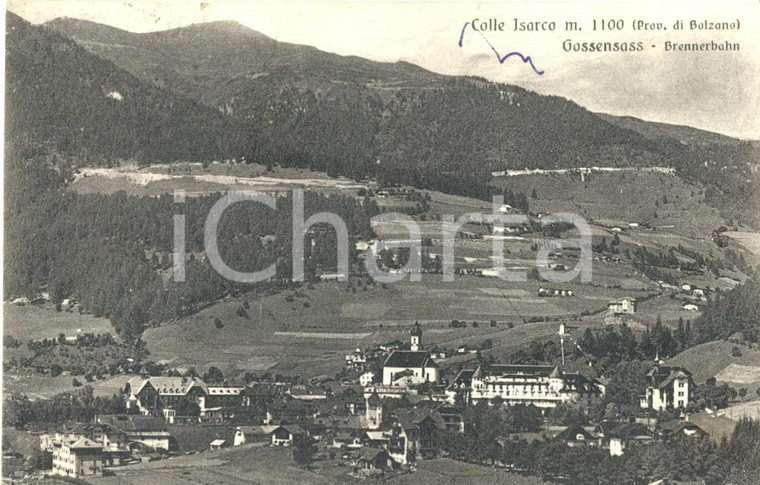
x=42 y=460
x=304 y=451
x=736 y=352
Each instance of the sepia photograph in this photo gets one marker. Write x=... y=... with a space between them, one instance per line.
x=403 y=242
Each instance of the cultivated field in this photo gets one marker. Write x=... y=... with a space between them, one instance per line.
x=622 y=198
x=310 y=332
x=710 y=360
x=750 y=241
x=262 y=464
x=34 y=322
x=36 y=386
x=749 y=409
x=242 y=465
x=195 y=179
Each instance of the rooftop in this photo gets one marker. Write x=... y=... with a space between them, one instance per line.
x=409 y=358
x=133 y=423
x=167 y=386
x=517 y=370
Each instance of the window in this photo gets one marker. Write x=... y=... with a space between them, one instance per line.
x=681 y=384
x=680 y=393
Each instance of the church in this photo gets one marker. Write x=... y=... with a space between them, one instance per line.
x=414 y=366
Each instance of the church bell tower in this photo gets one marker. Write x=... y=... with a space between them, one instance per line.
x=416 y=337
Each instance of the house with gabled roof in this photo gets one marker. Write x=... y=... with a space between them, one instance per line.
x=414 y=432
x=677 y=428
x=286 y=434
x=253 y=434
x=373 y=461
x=617 y=437
x=623 y=306
x=577 y=436
x=667 y=387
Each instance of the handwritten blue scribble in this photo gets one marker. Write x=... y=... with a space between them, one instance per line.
x=501 y=59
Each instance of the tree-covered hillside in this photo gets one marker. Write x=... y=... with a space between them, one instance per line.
x=59 y=94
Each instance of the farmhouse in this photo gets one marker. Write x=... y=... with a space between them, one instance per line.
x=543 y=386
x=348 y=440
x=253 y=434
x=616 y=437
x=373 y=460
x=286 y=434
x=690 y=307
x=577 y=436
x=356 y=359
x=667 y=387
x=677 y=428
x=403 y=367
x=624 y=306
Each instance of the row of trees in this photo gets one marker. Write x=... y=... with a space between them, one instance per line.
x=21 y=412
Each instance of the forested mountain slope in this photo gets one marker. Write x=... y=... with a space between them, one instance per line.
x=59 y=94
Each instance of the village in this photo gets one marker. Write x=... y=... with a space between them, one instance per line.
x=374 y=423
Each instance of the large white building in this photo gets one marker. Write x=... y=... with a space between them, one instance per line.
x=78 y=458
x=667 y=387
x=543 y=386
x=404 y=367
x=152 y=395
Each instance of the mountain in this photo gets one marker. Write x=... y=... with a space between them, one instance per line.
x=58 y=94
x=684 y=134
x=359 y=117
x=297 y=106
x=213 y=61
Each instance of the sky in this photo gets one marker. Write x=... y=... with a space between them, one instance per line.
x=717 y=91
